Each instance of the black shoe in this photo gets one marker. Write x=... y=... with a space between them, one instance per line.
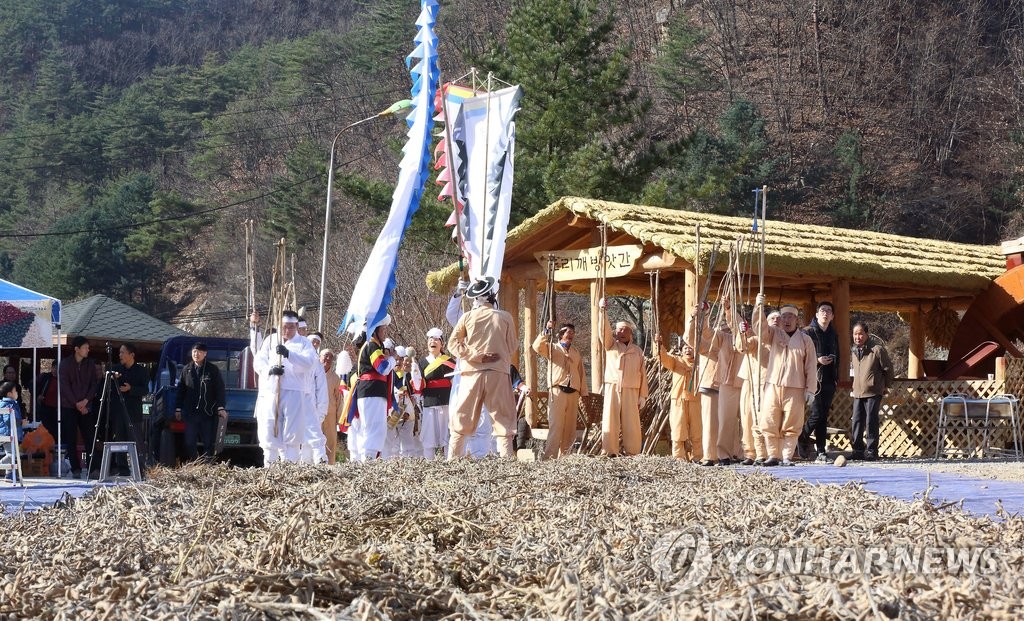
x=758 y=462
x=804 y=450
x=724 y=462
x=771 y=461
x=747 y=462
x=857 y=456
x=707 y=462
x=870 y=456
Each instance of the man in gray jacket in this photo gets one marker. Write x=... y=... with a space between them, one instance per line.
x=872 y=377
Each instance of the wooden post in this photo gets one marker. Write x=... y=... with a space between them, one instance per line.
x=841 y=320
x=529 y=334
x=691 y=292
x=915 y=357
x=596 y=330
x=509 y=301
x=1001 y=372
x=809 y=310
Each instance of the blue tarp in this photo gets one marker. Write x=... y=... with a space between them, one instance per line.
x=979 y=496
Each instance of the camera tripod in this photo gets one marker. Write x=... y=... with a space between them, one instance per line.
x=130 y=444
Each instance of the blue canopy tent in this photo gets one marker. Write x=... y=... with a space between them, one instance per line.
x=27 y=321
x=27 y=318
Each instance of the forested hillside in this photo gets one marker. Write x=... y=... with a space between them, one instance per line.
x=138 y=136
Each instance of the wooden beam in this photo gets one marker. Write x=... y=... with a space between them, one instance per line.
x=862 y=293
x=841 y=322
x=529 y=334
x=525 y=270
x=915 y=356
x=659 y=261
x=997 y=334
x=579 y=222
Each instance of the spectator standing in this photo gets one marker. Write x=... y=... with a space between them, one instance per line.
x=872 y=376
x=826 y=346
x=200 y=402
x=46 y=401
x=132 y=381
x=77 y=375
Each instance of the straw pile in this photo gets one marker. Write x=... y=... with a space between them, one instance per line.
x=581 y=538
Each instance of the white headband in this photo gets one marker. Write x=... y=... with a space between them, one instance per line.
x=287 y=319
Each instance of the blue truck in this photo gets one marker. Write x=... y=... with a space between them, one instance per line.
x=232 y=357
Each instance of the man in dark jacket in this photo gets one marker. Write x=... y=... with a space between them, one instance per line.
x=132 y=381
x=826 y=345
x=200 y=402
x=78 y=383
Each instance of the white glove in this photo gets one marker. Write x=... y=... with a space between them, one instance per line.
x=461 y=287
x=388 y=343
x=602 y=303
x=759 y=299
x=809 y=398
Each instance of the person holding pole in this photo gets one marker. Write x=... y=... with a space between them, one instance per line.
x=483 y=340
x=684 y=410
x=625 y=388
x=753 y=372
x=284 y=389
x=790 y=381
x=568 y=385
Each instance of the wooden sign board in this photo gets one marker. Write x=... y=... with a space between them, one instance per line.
x=585 y=264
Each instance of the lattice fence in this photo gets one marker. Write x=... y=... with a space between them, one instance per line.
x=910 y=416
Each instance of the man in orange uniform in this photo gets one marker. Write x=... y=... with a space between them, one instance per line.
x=625 y=388
x=568 y=384
x=483 y=340
x=684 y=410
x=790 y=382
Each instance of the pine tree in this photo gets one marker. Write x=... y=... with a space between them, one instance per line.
x=575 y=132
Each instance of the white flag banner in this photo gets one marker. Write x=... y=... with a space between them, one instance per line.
x=486 y=140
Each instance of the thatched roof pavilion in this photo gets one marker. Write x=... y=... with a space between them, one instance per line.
x=857 y=270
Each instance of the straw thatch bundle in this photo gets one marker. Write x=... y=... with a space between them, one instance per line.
x=790 y=248
x=580 y=537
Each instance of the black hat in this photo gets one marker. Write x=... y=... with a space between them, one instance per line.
x=483 y=287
